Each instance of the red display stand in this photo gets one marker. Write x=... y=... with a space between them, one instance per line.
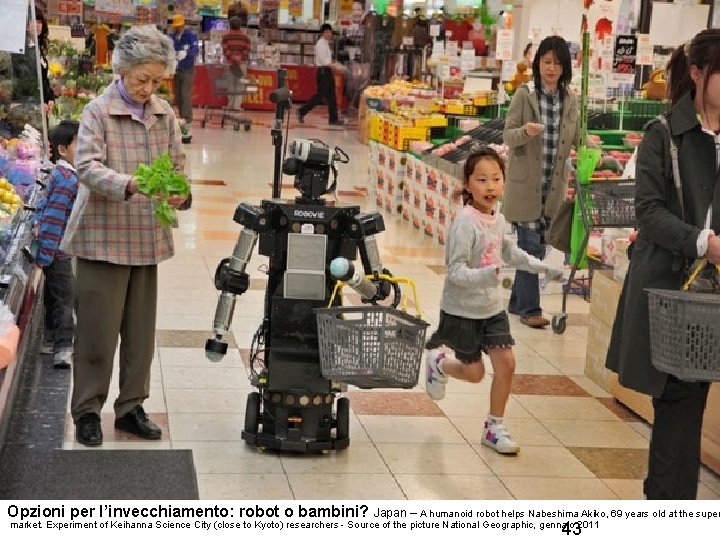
x=267 y=82
x=300 y=80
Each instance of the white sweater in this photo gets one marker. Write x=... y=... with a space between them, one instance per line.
x=476 y=248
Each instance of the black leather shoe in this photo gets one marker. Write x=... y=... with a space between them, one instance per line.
x=88 y=430
x=137 y=422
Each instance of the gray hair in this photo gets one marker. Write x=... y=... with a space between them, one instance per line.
x=143 y=45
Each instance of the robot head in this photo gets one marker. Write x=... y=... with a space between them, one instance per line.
x=311 y=161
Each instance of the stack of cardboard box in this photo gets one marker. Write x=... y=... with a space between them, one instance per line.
x=402 y=184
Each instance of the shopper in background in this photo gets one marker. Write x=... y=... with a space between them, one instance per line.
x=25 y=65
x=186 y=48
x=664 y=245
x=324 y=78
x=528 y=54
x=53 y=214
x=540 y=127
x=116 y=237
x=90 y=40
x=236 y=46
x=238 y=9
x=472 y=319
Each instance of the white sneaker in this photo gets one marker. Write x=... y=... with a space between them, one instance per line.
x=496 y=437
x=47 y=347
x=434 y=380
x=62 y=359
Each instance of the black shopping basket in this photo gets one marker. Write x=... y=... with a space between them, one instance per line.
x=370 y=346
x=612 y=203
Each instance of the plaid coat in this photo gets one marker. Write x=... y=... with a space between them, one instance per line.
x=104 y=226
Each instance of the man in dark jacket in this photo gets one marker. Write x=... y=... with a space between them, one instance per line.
x=186 y=49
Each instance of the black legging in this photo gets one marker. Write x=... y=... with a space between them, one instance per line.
x=325 y=91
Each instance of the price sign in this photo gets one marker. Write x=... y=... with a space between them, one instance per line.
x=509 y=68
x=503 y=50
x=625 y=55
x=644 y=50
x=119 y=7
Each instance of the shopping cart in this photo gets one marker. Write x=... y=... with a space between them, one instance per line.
x=371 y=346
x=229 y=82
x=358 y=78
x=603 y=204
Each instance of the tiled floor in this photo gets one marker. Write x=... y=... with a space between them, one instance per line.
x=577 y=442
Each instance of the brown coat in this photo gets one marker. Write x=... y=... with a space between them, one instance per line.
x=522 y=200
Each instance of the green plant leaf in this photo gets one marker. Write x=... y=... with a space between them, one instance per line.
x=159 y=181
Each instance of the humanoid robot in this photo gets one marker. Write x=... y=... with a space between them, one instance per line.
x=294 y=407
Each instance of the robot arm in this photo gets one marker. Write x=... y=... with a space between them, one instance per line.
x=231 y=280
x=370 y=225
x=370 y=290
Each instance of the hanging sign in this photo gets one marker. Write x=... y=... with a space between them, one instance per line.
x=509 y=68
x=345 y=7
x=644 y=50
x=12 y=26
x=504 y=47
x=65 y=7
x=118 y=7
x=625 y=55
x=296 y=8
x=467 y=61
x=77 y=30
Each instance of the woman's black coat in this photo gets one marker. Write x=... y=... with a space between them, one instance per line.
x=664 y=242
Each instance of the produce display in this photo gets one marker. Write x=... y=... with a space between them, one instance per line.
x=19 y=168
x=633 y=139
x=19 y=172
x=424 y=99
x=10 y=201
x=613 y=158
x=160 y=181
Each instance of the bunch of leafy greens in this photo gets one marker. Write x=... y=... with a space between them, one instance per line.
x=160 y=181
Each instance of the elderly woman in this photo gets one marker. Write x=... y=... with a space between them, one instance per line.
x=116 y=237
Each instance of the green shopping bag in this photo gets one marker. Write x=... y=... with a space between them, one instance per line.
x=587 y=160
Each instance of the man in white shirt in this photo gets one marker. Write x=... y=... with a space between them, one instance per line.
x=325 y=79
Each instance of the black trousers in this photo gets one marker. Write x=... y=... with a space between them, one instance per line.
x=182 y=87
x=59 y=299
x=674 y=460
x=325 y=91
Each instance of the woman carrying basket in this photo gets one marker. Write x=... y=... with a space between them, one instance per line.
x=665 y=242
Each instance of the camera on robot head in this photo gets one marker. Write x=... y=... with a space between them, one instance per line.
x=310 y=161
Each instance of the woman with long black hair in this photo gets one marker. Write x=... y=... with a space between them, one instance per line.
x=541 y=126
x=672 y=230
x=25 y=65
